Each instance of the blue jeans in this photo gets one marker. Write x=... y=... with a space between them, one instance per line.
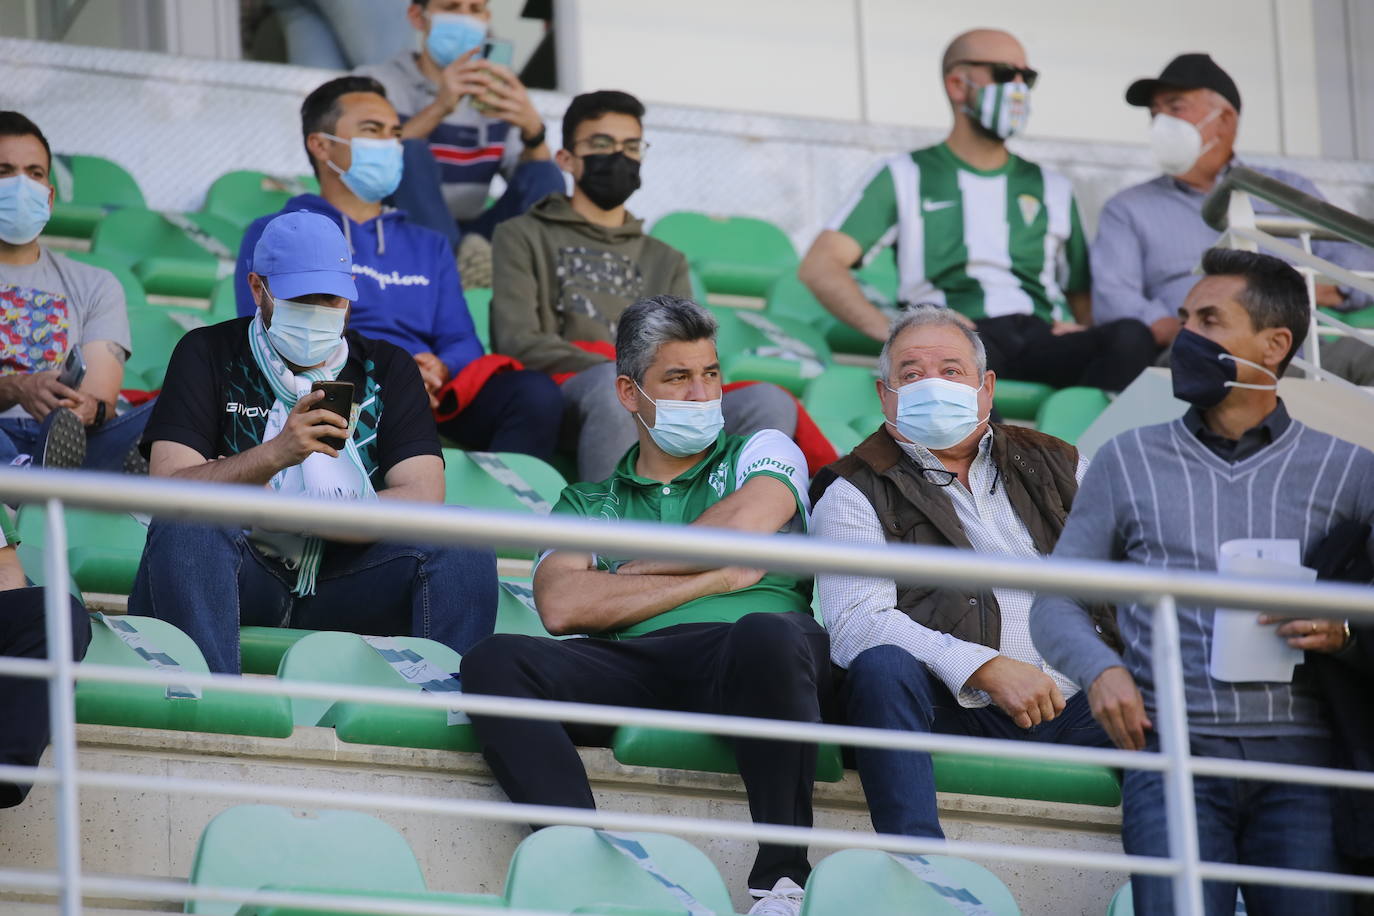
x=24 y=700
x=208 y=581
x=514 y=412
x=887 y=687
x=106 y=445
x=343 y=34
x=419 y=195
x=1284 y=825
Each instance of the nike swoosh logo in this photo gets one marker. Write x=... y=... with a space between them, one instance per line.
x=930 y=206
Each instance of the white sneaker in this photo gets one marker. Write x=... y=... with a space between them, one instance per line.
x=785 y=899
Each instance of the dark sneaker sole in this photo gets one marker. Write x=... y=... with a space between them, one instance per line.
x=134 y=462
x=64 y=446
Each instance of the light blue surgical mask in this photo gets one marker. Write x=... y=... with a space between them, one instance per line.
x=24 y=209
x=683 y=428
x=451 y=35
x=936 y=412
x=304 y=333
x=376 y=168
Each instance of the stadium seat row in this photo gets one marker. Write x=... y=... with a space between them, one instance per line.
x=343 y=658
x=555 y=870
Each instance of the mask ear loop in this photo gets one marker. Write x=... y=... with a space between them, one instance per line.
x=1240 y=359
x=1198 y=127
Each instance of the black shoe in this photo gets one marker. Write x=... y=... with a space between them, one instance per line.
x=61 y=441
x=134 y=462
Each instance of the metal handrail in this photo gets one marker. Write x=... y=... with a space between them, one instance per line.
x=430 y=523
x=1320 y=212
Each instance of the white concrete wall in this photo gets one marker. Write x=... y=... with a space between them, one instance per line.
x=803 y=58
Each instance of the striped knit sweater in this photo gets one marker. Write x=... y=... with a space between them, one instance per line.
x=1159 y=497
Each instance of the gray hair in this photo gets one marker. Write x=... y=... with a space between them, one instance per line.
x=929 y=315
x=652 y=322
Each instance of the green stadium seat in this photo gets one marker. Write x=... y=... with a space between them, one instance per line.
x=573 y=870
x=261 y=648
x=1035 y=780
x=505 y=481
x=515 y=611
x=656 y=747
x=134 y=296
x=768 y=348
x=345 y=658
x=343 y=852
x=155 y=334
x=1070 y=411
x=841 y=435
x=103 y=548
x=241 y=197
x=479 y=307
x=31 y=559
x=1363 y=318
x=699 y=293
x=88 y=188
x=224 y=304
x=880 y=275
x=875 y=883
x=870 y=882
x=736 y=255
x=789 y=297
x=148 y=706
x=843 y=393
x=1020 y=400
x=173 y=254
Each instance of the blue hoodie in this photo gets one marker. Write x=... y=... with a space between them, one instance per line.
x=408 y=288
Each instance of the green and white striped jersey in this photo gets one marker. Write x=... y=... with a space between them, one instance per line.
x=987 y=243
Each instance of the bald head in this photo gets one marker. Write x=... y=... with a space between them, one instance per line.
x=983 y=44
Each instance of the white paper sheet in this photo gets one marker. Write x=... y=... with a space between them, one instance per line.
x=1242 y=648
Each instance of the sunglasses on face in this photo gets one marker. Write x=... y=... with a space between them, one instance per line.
x=1004 y=73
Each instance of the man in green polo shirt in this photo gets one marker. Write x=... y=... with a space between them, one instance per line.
x=984 y=232
x=669 y=635
x=24 y=700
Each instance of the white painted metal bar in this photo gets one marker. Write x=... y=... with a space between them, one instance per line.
x=62 y=707
x=428 y=523
x=1291 y=252
x=1171 y=720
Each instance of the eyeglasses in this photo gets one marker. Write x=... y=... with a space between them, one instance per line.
x=600 y=144
x=1002 y=72
x=938 y=476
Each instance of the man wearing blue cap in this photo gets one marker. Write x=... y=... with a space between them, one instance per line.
x=238 y=407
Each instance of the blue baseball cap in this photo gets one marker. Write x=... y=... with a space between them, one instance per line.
x=301 y=253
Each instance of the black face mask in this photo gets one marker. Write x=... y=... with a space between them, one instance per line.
x=609 y=179
x=1205 y=372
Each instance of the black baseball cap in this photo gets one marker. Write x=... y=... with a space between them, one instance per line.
x=1187 y=71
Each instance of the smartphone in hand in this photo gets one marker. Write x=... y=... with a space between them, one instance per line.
x=338 y=399
x=73 y=369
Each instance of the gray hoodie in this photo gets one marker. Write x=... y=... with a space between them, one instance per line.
x=557 y=278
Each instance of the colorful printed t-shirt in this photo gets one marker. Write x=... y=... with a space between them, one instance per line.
x=986 y=243
x=730 y=463
x=52 y=305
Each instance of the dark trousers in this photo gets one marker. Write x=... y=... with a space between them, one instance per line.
x=1281 y=825
x=24 y=700
x=514 y=412
x=886 y=687
x=419 y=194
x=765 y=665
x=209 y=580
x=1107 y=356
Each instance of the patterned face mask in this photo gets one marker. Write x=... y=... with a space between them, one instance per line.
x=1001 y=109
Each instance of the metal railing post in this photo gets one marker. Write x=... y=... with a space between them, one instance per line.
x=1309 y=277
x=62 y=707
x=1172 y=724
